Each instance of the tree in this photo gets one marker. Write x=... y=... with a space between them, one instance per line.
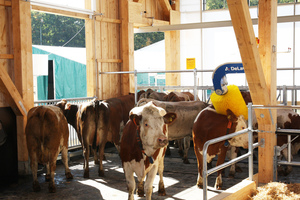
x=55 y=30
x=144 y=39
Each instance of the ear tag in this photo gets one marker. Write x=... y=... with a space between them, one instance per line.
x=134 y=121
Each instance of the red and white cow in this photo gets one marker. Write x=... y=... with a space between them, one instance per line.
x=186 y=112
x=97 y=123
x=209 y=125
x=143 y=147
x=47 y=135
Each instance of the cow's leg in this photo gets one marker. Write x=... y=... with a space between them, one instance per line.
x=161 y=186
x=186 y=147
x=101 y=154
x=140 y=189
x=200 y=164
x=47 y=177
x=86 y=154
x=233 y=155
x=221 y=159
x=96 y=160
x=52 y=165
x=34 y=167
x=180 y=144
x=129 y=180
x=149 y=182
x=64 y=155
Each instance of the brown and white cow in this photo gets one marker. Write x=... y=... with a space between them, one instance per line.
x=97 y=123
x=151 y=94
x=186 y=112
x=209 y=125
x=143 y=147
x=47 y=135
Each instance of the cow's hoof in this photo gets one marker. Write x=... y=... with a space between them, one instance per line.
x=52 y=188
x=47 y=177
x=36 y=186
x=101 y=173
x=140 y=193
x=200 y=186
x=162 y=192
x=186 y=161
x=86 y=175
x=238 y=169
x=96 y=162
x=69 y=175
x=218 y=187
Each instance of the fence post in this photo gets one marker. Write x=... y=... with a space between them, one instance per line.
x=195 y=84
x=135 y=86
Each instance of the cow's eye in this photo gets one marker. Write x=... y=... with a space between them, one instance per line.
x=146 y=124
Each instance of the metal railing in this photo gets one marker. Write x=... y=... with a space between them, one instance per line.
x=249 y=154
x=73 y=142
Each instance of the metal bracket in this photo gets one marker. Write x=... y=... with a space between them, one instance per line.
x=262 y=143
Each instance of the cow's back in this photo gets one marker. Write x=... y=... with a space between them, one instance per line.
x=46 y=130
x=186 y=112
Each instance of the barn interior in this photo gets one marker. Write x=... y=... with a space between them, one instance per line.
x=109 y=30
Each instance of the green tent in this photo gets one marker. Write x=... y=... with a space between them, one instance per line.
x=70 y=75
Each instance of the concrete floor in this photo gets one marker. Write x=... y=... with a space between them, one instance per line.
x=179 y=179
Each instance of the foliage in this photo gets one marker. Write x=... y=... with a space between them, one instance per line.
x=55 y=30
x=221 y=4
x=144 y=39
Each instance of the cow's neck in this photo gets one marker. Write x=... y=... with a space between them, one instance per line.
x=146 y=151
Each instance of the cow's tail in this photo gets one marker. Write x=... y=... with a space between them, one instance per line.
x=42 y=131
x=96 y=110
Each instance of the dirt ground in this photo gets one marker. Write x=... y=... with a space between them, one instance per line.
x=180 y=180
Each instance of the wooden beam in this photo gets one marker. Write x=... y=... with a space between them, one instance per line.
x=11 y=94
x=5 y=3
x=103 y=19
x=60 y=12
x=172 y=51
x=109 y=61
x=91 y=67
x=6 y=56
x=259 y=89
x=267 y=29
x=127 y=47
x=166 y=7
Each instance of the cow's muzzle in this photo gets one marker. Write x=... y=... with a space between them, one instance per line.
x=162 y=141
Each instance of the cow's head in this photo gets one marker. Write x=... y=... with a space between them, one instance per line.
x=151 y=121
x=238 y=124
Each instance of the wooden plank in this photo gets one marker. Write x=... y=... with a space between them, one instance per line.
x=166 y=7
x=5 y=3
x=110 y=61
x=6 y=56
x=172 y=51
x=127 y=48
x=91 y=68
x=60 y=12
x=257 y=81
x=103 y=19
x=240 y=191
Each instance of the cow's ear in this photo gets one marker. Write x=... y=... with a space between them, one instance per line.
x=136 y=119
x=169 y=118
x=67 y=106
x=231 y=116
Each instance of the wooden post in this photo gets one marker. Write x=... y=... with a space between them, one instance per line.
x=267 y=29
x=172 y=50
x=127 y=48
x=22 y=47
x=91 y=71
x=259 y=84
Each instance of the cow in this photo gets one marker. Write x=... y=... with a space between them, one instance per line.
x=143 y=147
x=151 y=94
x=186 y=112
x=47 y=135
x=209 y=125
x=179 y=96
x=97 y=123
